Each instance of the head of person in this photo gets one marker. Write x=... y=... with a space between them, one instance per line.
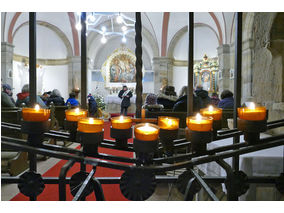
x=199 y=87
x=25 y=88
x=124 y=87
x=170 y=90
x=55 y=92
x=151 y=99
x=183 y=91
x=7 y=89
x=72 y=95
x=214 y=94
x=226 y=94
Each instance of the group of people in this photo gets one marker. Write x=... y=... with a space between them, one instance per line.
x=168 y=99
x=44 y=100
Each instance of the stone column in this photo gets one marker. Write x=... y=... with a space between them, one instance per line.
x=224 y=67
x=7 y=52
x=163 y=68
x=74 y=73
x=247 y=67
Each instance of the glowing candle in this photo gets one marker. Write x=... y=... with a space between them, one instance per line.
x=121 y=122
x=146 y=132
x=215 y=113
x=199 y=123
x=252 y=113
x=168 y=123
x=35 y=114
x=75 y=114
x=90 y=125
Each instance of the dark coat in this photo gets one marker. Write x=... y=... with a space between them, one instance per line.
x=215 y=101
x=57 y=100
x=92 y=105
x=6 y=100
x=181 y=104
x=204 y=98
x=125 y=100
x=25 y=98
x=226 y=103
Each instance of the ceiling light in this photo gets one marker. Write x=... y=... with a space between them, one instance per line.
x=119 y=19
x=78 y=26
x=103 y=40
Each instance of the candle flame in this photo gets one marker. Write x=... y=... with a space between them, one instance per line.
x=198 y=117
x=77 y=110
x=91 y=120
x=121 y=118
x=252 y=106
x=170 y=122
x=210 y=108
x=37 y=107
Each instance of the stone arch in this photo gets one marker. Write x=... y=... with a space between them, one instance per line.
x=55 y=29
x=181 y=32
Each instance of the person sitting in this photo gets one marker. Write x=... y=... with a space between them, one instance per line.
x=227 y=100
x=92 y=105
x=167 y=97
x=181 y=104
x=6 y=96
x=151 y=103
x=45 y=96
x=203 y=95
x=23 y=98
x=72 y=100
x=215 y=99
x=56 y=98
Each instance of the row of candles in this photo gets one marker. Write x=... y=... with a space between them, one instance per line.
x=202 y=122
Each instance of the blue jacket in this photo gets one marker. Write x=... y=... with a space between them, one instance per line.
x=72 y=101
x=226 y=103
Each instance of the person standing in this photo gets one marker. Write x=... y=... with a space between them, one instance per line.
x=125 y=95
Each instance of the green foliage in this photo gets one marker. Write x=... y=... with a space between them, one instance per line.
x=100 y=101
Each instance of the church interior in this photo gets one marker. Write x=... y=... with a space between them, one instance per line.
x=142 y=106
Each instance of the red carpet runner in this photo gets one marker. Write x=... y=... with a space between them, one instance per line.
x=111 y=191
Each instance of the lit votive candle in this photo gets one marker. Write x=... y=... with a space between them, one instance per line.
x=75 y=114
x=215 y=113
x=35 y=114
x=168 y=123
x=121 y=122
x=252 y=113
x=90 y=125
x=146 y=132
x=199 y=123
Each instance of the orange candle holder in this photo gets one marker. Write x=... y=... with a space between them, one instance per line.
x=216 y=114
x=146 y=132
x=121 y=122
x=169 y=127
x=252 y=113
x=168 y=123
x=199 y=123
x=90 y=125
x=35 y=123
x=252 y=120
x=35 y=114
x=75 y=114
x=121 y=130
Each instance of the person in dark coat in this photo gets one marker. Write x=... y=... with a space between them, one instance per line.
x=181 y=104
x=6 y=96
x=92 y=105
x=125 y=95
x=227 y=100
x=72 y=100
x=45 y=96
x=203 y=96
x=24 y=98
x=215 y=99
x=167 y=97
x=56 y=98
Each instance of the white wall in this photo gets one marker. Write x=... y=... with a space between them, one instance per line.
x=179 y=78
x=48 y=78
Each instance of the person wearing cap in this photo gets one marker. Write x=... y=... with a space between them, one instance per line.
x=6 y=96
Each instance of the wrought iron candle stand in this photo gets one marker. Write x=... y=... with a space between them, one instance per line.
x=138 y=182
x=199 y=140
x=167 y=138
x=71 y=127
x=90 y=142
